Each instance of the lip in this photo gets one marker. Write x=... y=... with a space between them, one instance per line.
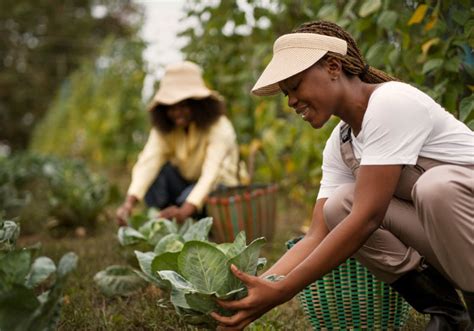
x=301 y=109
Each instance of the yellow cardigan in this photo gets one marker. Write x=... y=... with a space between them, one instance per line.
x=209 y=157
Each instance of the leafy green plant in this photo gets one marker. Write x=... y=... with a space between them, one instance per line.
x=118 y=280
x=200 y=272
x=146 y=238
x=39 y=187
x=9 y=232
x=30 y=292
x=160 y=235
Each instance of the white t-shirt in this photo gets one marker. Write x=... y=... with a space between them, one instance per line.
x=400 y=124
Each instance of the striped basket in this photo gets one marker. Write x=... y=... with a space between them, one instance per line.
x=251 y=208
x=351 y=298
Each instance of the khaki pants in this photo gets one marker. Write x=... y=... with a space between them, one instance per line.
x=437 y=226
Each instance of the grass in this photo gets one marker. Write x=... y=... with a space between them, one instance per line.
x=85 y=308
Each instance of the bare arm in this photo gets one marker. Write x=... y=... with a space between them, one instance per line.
x=375 y=186
x=374 y=189
x=304 y=247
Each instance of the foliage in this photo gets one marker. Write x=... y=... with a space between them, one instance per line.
x=200 y=272
x=30 y=292
x=148 y=233
x=98 y=115
x=118 y=280
x=428 y=45
x=36 y=187
x=44 y=41
x=155 y=237
x=9 y=232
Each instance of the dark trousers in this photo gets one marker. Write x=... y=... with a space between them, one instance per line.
x=168 y=189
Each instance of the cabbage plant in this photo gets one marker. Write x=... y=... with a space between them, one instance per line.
x=160 y=235
x=200 y=273
x=30 y=291
x=154 y=236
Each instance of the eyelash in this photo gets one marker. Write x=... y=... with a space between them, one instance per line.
x=293 y=88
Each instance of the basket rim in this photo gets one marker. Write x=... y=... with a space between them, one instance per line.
x=238 y=190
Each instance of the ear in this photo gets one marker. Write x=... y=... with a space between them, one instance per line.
x=333 y=66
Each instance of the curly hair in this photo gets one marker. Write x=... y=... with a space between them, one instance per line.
x=204 y=113
x=353 y=63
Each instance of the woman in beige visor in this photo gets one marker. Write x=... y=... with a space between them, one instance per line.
x=397 y=185
x=191 y=148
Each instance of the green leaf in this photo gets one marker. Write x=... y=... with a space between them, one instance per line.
x=205 y=266
x=466 y=108
x=145 y=261
x=431 y=65
x=9 y=232
x=185 y=226
x=247 y=261
x=387 y=19
x=14 y=266
x=172 y=242
x=67 y=263
x=369 y=7
x=118 y=280
x=136 y=221
x=375 y=54
x=165 y=261
x=156 y=229
x=129 y=236
x=178 y=282
x=41 y=269
x=199 y=230
x=453 y=65
x=17 y=305
x=203 y=303
x=274 y=278
x=461 y=16
x=235 y=248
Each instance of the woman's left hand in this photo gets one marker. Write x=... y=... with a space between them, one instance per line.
x=179 y=213
x=262 y=296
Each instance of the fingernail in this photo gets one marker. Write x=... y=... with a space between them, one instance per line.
x=233 y=267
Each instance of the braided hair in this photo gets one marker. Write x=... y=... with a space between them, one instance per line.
x=352 y=63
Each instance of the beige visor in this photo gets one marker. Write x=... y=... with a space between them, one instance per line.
x=293 y=53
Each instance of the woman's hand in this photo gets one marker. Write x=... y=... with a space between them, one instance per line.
x=125 y=210
x=122 y=214
x=262 y=296
x=179 y=213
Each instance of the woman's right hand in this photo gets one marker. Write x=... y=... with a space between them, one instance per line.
x=122 y=214
x=125 y=210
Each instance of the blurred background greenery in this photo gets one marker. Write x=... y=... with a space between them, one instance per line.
x=71 y=80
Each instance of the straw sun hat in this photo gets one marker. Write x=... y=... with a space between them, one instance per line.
x=182 y=81
x=292 y=54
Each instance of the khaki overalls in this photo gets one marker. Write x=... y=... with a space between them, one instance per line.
x=431 y=217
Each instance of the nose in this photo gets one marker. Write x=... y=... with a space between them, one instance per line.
x=292 y=101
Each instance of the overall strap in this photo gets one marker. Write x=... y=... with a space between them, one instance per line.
x=347 y=152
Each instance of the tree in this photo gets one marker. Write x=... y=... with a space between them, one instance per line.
x=98 y=114
x=41 y=43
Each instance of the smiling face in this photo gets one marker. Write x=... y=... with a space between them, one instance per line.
x=180 y=114
x=314 y=93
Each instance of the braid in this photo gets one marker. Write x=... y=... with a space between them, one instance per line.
x=352 y=62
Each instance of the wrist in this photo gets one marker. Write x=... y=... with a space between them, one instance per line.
x=188 y=208
x=286 y=289
x=130 y=201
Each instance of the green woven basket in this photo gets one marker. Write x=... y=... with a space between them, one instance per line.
x=351 y=298
x=249 y=208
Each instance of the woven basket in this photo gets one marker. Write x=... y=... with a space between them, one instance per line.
x=250 y=208
x=350 y=298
